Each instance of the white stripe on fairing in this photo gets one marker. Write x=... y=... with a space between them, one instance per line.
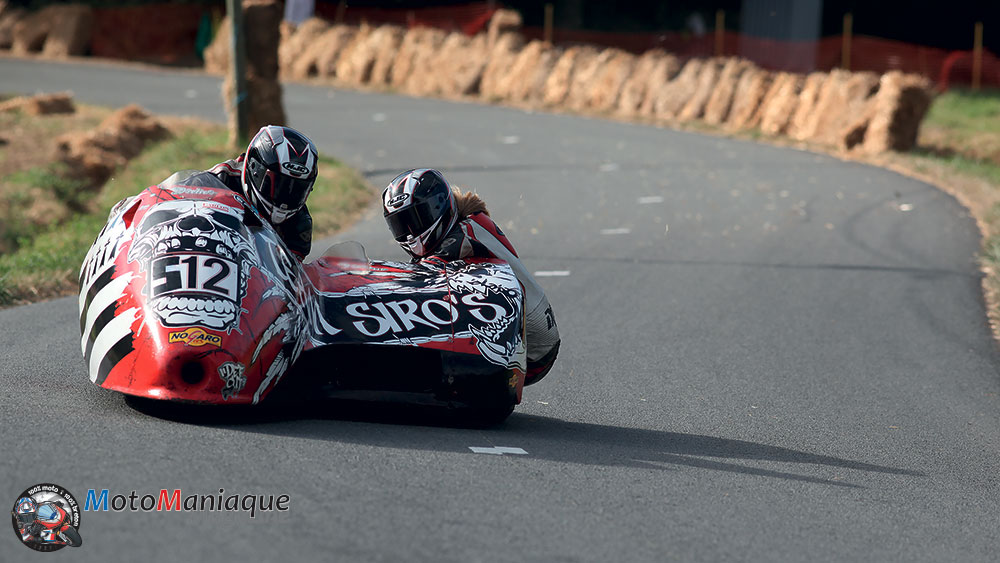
x=84 y=291
x=106 y=296
x=117 y=329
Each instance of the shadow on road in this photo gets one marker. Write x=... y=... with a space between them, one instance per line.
x=546 y=438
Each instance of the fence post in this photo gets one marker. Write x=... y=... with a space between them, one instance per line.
x=977 y=55
x=720 y=32
x=341 y=8
x=845 y=53
x=237 y=65
x=549 y=13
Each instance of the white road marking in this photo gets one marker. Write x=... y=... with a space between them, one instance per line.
x=378 y=117
x=608 y=167
x=551 y=273
x=191 y=94
x=510 y=140
x=905 y=206
x=646 y=200
x=619 y=231
x=498 y=450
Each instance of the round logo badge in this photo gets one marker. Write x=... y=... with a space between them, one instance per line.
x=46 y=517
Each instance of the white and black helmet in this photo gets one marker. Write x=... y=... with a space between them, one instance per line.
x=279 y=171
x=420 y=209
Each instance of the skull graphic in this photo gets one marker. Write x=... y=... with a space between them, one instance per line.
x=197 y=258
x=498 y=340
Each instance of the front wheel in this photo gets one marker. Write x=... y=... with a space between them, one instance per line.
x=72 y=537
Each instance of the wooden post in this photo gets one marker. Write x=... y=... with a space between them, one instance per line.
x=720 y=32
x=341 y=8
x=237 y=62
x=977 y=55
x=845 y=53
x=549 y=14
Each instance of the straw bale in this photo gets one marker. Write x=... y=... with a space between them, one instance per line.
x=719 y=103
x=652 y=69
x=502 y=54
x=750 y=91
x=803 y=123
x=610 y=80
x=670 y=97
x=780 y=102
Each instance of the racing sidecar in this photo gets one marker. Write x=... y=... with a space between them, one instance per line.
x=188 y=295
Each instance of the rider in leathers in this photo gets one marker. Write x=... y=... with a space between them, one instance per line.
x=433 y=222
x=276 y=174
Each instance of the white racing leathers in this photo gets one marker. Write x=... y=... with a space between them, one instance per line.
x=478 y=236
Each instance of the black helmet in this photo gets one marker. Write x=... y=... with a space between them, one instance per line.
x=279 y=171
x=420 y=209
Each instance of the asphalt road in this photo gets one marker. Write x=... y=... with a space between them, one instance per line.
x=768 y=355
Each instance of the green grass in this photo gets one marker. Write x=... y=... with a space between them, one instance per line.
x=966 y=111
x=47 y=263
x=960 y=164
x=964 y=123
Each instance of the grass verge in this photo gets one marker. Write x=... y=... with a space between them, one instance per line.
x=47 y=260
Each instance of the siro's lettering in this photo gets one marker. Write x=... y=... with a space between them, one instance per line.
x=405 y=311
x=358 y=310
x=450 y=310
x=475 y=301
x=402 y=316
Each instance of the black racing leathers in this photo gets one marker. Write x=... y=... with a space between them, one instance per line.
x=296 y=231
x=478 y=236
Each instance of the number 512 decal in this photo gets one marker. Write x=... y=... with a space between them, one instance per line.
x=194 y=273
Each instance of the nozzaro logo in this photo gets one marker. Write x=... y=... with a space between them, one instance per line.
x=46 y=517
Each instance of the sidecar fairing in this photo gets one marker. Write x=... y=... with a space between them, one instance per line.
x=421 y=333
x=187 y=295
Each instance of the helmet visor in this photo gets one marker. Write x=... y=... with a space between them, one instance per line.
x=413 y=221
x=286 y=192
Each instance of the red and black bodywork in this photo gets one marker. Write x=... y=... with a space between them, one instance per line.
x=187 y=295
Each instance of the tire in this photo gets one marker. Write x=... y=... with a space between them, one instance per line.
x=72 y=537
x=482 y=416
x=492 y=416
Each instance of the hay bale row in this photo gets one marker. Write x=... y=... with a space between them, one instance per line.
x=55 y=31
x=835 y=108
